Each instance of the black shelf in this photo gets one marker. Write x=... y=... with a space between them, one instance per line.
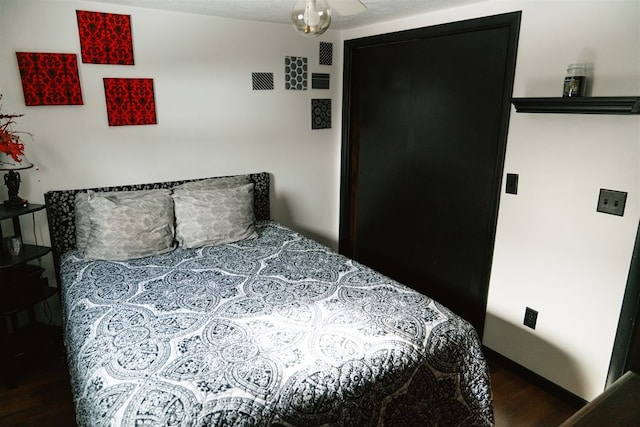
x=26 y=296
x=26 y=348
x=21 y=288
x=36 y=336
x=621 y=105
x=28 y=253
x=22 y=271
x=7 y=212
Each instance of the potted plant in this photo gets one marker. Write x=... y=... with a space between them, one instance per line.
x=12 y=157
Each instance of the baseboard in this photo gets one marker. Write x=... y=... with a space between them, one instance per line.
x=536 y=379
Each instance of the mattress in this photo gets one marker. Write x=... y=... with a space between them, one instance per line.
x=276 y=330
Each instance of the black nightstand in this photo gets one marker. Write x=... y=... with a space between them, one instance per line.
x=22 y=287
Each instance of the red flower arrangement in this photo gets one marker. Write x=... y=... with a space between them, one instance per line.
x=10 y=142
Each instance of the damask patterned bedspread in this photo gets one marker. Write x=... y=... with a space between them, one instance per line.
x=278 y=330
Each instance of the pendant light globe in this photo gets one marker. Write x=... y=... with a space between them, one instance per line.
x=310 y=18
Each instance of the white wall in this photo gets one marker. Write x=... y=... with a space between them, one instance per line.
x=553 y=252
x=210 y=122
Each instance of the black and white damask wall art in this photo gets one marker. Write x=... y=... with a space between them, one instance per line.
x=295 y=73
x=262 y=81
x=326 y=53
x=321 y=114
x=319 y=81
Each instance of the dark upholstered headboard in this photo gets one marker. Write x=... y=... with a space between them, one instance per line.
x=61 y=209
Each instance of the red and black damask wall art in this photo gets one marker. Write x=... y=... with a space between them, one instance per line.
x=130 y=101
x=105 y=38
x=50 y=78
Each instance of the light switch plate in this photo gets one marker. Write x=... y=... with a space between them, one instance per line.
x=612 y=202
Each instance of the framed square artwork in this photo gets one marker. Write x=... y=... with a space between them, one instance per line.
x=49 y=78
x=262 y=81
x=130 y=101
x=295 y=73
x=321 y=114
x=105 y=38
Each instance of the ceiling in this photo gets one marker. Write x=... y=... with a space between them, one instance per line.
x=278 y=11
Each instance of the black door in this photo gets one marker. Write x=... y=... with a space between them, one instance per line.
x=427 y=113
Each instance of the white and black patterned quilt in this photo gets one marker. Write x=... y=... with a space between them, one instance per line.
x=273 y=331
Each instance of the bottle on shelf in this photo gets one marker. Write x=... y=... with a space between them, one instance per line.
x=575 y=82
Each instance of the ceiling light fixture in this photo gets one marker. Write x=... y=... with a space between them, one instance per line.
x=310 y=17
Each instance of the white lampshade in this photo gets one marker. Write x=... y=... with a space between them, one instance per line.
x=8 y=163
x=310 y=17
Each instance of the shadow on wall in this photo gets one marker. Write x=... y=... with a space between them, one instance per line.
x=281 y=212
x=550 y=360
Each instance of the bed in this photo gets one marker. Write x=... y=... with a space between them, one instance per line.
x=272 y=329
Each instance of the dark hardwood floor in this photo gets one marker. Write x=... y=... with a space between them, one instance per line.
x=518 y=402
x=42 y=397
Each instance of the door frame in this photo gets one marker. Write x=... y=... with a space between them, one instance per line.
x=626 y=347
x=350 y=137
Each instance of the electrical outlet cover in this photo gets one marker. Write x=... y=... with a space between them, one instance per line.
x=530 y=318
x=612 y=202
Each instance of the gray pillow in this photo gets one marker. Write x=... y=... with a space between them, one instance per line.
x=130 y=224
x=216 y=183
x=81 y=209
x=82 y=222
x=212 y=217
